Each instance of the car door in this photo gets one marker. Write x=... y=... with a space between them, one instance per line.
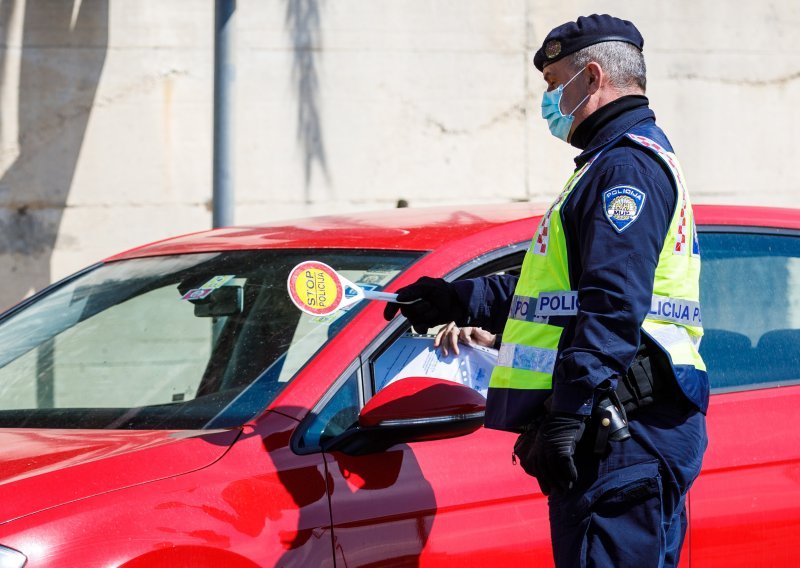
x=456 y=501
x=745 y=506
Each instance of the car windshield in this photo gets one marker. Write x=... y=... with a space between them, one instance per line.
x=189 y=341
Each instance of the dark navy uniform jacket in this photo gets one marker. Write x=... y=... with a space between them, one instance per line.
x=612 y=271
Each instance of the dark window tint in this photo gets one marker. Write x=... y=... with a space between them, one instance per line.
x=750 y=296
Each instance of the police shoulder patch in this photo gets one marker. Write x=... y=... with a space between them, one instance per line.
x=622 y=205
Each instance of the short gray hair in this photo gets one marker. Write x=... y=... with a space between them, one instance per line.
x=622 y=62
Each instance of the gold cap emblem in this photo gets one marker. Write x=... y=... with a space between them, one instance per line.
x=552 y=49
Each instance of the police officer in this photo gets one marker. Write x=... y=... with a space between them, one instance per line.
x=604 y=317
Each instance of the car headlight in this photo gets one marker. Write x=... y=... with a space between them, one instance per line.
x=10 y=558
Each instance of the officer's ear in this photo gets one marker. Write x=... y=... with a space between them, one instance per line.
x=595 y=76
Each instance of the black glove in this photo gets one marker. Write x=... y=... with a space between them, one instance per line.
x=438 y=303
x=554 y=450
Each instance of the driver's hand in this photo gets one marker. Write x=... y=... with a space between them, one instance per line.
x=450 y=335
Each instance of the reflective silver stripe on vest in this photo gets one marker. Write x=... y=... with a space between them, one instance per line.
x=527 y=358
x=675 y=310
x=523 y=308
x=673 y=336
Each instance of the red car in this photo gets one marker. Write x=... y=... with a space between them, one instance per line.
x=171 y=407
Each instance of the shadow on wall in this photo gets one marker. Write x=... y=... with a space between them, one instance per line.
x=303 y=25
x=63 y=49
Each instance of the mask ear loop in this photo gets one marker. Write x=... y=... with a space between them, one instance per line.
x=564 y=86
x=579 y=105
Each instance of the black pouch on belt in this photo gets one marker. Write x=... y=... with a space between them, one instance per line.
x=643 y=382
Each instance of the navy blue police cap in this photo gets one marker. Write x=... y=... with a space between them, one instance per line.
x=585 y=31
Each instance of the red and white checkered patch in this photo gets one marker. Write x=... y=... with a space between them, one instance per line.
x=681 y=247
x=543 y=234
x=647 y=143
x=680 y=242
x=669 y=157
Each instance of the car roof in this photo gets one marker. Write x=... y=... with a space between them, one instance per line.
x=420 y=229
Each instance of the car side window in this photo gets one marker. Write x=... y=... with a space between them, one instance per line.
x=340 y=411
x=412 y=354
x=338 y=414
x=750 y=298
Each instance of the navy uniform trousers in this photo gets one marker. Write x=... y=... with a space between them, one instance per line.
x=634 y=496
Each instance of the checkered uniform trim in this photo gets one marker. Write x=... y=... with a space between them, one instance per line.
x=682 y=246
x=542 y=237
x=680 y=243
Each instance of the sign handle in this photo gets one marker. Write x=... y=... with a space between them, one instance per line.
x=385 y=297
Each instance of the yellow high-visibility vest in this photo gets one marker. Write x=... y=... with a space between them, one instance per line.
x=523 y=376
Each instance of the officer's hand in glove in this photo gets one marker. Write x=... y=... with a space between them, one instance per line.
x=554 y=451
x=438 y=303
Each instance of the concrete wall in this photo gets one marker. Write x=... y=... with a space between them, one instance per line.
x=105 y=111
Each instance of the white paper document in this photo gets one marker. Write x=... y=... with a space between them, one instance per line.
x=415 y=356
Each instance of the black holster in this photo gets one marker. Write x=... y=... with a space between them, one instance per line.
x=641 y=386
x=610 y=422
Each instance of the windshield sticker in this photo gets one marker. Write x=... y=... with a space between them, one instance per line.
x=379 y=275
x=205 y=290
x=218 y=282
x=197 y=294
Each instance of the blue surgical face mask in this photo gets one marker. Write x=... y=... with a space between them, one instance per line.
x=558 y=122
